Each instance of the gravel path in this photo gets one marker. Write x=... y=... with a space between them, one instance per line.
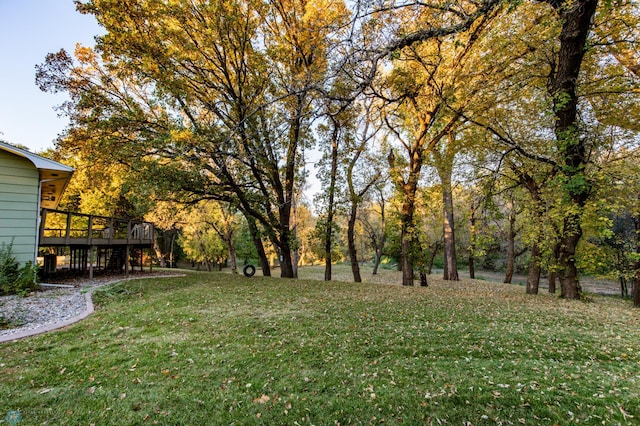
x=53 y=307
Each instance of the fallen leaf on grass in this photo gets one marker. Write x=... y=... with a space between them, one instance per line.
x=262 y=400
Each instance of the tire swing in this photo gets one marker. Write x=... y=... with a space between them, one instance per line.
x=249 y=270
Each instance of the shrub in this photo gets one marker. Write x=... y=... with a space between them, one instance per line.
x=13 y=278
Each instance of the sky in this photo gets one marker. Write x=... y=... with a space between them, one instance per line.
x=29 y=29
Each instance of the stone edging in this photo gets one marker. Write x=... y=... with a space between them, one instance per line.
x=69 y=321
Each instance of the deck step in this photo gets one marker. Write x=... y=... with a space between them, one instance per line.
x=117 y=259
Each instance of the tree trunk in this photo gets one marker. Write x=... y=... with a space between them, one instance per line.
x=379 y=244
x=327 y=259
x=553 y=274
x=406 y=260
x=511 y=245
x=257 y=242
x=444 y=166
x=472 y=244
x=407 y=187
x=533 y=279
x=377 y=261
x=624 y=290
x=568 y=272
x=284 y=242
x=162 y=260
x=355 y=198
x=231 y=252
x=408 y=190
x=423 y=280
x=286 y=195
x=450 y=261
x=351 y=240
x=553 y=280
x=295 y=262
x=286 y=261
x=328 y=236
x=171 y=247
x=576 y=17
x=530 y=183
x=432 y=258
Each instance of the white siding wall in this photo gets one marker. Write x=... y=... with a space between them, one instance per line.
x=18 y=205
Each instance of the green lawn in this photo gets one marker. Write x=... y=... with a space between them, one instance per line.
x=212 y=348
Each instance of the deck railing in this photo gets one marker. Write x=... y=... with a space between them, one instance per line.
x=61 y=228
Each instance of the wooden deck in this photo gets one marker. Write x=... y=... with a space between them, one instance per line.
x=60 y=228
x=93 y=242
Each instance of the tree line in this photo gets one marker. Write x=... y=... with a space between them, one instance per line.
x=526 y=110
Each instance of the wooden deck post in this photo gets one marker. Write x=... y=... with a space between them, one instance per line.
x=90 y=231
x=126 y=260
x=67 y=232
x=91 y=257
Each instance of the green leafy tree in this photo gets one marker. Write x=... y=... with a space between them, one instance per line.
x=208 y=100
x=362 y=171
x=430 y=86
x=203 y=245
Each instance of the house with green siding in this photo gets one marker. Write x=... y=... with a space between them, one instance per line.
x=28 y=182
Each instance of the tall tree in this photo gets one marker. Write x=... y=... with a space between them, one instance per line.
x=220 y=92
x=431 y=84
x=299 y=34
x=362 y=174
x=443 y=163
x=566 y=160
x=576 y=17
x=335 y=132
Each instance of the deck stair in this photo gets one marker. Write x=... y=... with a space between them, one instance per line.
x=117 y=259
